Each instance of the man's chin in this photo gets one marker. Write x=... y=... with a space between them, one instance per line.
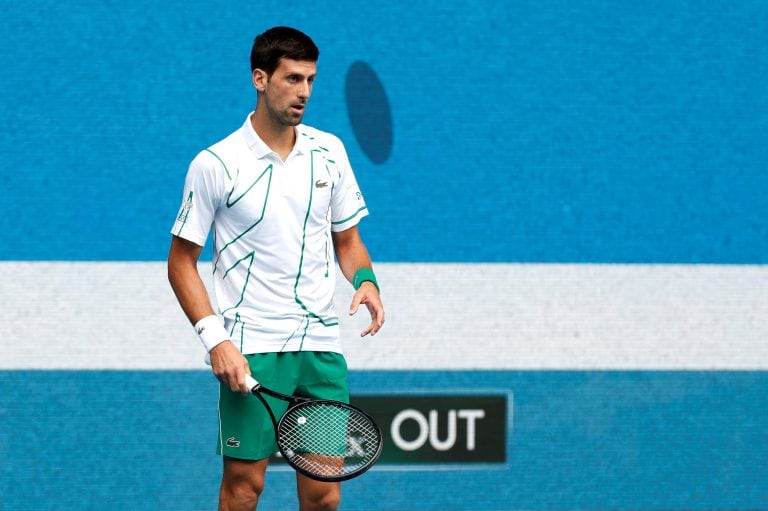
x=292 y=120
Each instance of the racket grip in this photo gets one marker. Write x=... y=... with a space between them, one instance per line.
x=251 y=382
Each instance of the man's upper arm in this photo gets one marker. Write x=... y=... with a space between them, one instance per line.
x=346 y=238
x=183 y=251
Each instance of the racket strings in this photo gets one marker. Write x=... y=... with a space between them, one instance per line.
x=328 y=440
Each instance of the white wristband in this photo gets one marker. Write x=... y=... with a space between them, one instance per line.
x=211 y=332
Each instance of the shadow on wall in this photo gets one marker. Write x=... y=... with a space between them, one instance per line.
x=369 y=112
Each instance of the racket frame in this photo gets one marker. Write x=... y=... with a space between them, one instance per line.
x=257 y=389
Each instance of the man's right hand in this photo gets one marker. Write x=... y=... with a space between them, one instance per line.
x=230 y=366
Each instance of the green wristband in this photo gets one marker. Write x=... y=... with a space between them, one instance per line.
x=364 y=275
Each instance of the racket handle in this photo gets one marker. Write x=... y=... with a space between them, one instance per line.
x=251 y=382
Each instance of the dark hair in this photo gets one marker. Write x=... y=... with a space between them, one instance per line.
x=281 y=42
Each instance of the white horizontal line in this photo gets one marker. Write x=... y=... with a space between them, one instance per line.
x=123 y=315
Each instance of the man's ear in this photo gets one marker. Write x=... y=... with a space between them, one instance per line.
x=260 y=79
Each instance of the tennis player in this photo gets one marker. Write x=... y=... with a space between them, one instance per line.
x=282 y=200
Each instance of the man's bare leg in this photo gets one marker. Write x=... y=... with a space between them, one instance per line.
x=241 y=484
x=317 y=496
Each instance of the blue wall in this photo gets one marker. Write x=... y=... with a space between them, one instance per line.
x=535 y=132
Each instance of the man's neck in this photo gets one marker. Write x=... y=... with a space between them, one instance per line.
x=279 y=138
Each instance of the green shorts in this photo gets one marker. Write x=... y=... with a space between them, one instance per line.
x=245 y=429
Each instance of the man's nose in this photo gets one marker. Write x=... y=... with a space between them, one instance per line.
x=305 y=90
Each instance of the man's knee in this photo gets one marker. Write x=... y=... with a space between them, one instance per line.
x=242 y=483
x=322 y=503
x=325 y=497
x=242 y=489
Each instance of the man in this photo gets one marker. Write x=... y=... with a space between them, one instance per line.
x=282 y=199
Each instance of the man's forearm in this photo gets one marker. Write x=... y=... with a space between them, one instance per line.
x=351 y=253
x=191 y=293
x=186 y=282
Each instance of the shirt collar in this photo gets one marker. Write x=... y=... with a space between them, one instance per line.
x=261 y=149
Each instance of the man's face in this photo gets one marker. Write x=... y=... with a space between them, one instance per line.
x=286 y=92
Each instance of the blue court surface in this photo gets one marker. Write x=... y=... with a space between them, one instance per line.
x=576 y=440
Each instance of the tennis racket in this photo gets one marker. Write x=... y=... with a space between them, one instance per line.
x=322 y=439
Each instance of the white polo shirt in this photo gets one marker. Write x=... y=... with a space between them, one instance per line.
x=274 y=269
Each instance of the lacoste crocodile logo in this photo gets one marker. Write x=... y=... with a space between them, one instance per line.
x=321 y=184
x=231 y=442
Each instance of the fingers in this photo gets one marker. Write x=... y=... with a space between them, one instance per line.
x=370 y=330
x=235 y=380
x=376 y=309
x=241 y=385
x=230 y=367
x=377 y=319
x=356 y=300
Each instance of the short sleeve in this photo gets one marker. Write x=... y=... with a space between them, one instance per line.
x=348 y=205
x=203 y=190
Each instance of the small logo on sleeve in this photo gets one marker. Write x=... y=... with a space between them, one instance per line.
x=321 y=184
x=185 y=208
